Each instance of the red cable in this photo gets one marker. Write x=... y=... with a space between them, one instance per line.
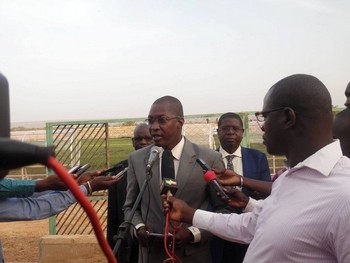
x=61 y=171
x=171 y=253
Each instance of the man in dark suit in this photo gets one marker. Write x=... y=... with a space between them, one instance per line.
x=116 y=199
x=166 y=120
x=247 y=162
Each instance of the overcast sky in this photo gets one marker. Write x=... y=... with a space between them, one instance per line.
x=106 y=59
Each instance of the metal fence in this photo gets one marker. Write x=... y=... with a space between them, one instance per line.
x=77 y=143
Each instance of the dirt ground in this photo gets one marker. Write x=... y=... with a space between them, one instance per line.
x=20 y=240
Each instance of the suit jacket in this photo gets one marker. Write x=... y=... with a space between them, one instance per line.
x=255 y=166
x=128 y=251
x=116 y=200
x=191 y=189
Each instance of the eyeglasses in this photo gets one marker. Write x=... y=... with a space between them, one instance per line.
x=161 y=120
x=140 y=138
x=261 y=115
x=226 y=129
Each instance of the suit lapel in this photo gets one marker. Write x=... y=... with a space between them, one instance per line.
x=187 y=162
x=155 y=184
x=244 y=161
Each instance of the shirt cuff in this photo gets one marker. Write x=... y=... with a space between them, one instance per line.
x=201 y=219
x=83 y=188
x=250 y=206
x=134 y=230
x=139 y=225
x=196 y=234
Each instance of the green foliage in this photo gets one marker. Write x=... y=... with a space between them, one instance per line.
x=120 y=149
x=94 y=152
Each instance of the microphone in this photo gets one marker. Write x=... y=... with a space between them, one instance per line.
x=15 y=154
x=155 y=151
x=210 y=178
x=167 y=185
x=4 y=107
x=4 y=113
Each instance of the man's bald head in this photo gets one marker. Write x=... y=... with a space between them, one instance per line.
x=142 y=136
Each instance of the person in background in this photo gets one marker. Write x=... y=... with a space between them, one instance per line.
x=166 y=120
x=247 y=162
x=116 y=200
x=250 y=163
x=306 y=217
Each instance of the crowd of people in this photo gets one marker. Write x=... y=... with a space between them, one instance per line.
x=301 y=214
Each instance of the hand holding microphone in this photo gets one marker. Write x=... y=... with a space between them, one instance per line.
x=234 y=197
x=178 y=210
x=210 y=178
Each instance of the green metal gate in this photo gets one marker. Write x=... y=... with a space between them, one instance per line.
x=78 y=143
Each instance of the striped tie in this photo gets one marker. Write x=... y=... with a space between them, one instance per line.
x=229 y=162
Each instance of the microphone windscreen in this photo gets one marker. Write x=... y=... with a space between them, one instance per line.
x=209 y=176
x=15 y=154
x=4 y=108
x=168 y=184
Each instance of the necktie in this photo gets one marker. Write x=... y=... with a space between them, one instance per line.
x=229 y=162
x=168 y=170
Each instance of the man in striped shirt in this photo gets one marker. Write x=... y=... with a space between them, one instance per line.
x=306 y=217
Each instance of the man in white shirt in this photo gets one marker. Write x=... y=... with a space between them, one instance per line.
x=306 y=217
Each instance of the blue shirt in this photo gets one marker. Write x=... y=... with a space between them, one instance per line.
x=36 y=207
x=16 y=188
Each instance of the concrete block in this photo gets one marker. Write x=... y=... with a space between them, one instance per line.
x=70 y=248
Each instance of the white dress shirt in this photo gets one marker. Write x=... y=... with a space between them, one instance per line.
x=237 y=161
x=305 y=219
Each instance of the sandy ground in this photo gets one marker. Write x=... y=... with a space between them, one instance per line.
x=20 y=240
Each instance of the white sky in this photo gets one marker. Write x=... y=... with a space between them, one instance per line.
x=103 y=59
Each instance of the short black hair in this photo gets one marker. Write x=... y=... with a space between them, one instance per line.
x=229 y=115
x=176 y=103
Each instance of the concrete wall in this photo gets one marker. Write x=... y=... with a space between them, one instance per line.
x=70 y=248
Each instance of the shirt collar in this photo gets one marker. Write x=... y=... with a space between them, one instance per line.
x=324 y=159
x=177 y=150
x=237 y=153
